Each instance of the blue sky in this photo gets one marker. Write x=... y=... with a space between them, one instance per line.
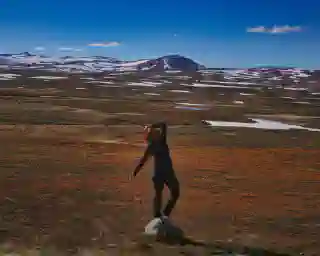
x=212 y=32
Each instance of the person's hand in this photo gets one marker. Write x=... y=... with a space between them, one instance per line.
x=131 y=176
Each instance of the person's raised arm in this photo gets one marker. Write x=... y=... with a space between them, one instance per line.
x=142 y=161
x=163 y=127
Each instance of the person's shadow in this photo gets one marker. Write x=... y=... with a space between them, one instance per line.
x=170 y=234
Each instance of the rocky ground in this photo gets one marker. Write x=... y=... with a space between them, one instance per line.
x=68 y=147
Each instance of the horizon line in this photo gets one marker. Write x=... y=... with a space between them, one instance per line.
x=166 y=55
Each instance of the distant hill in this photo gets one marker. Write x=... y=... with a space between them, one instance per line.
x=28 y=60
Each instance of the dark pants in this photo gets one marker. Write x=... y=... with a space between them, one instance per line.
x=173 y=185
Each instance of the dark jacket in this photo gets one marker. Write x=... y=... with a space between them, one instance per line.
x=161 y=154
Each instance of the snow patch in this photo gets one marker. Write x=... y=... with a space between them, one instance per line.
x=219 y=86
x=191 y=104
x=260 y=124
x=173 y=71
x=99 y=82
x=151 y=94
x=49 y=77
x=189 y=108
x=246 y=94
x=87 y=78
x=180 y=91
x=295 y=89
x=107 y=85
x=288 y=98
x=8 y=76
x=230 y=82
x=132 y=63
x=142 y=84
x=154 y=83
x=302 y=102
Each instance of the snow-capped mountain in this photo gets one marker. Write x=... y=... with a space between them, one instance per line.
x=170 y=62
x=267 y=76
x=27 y=60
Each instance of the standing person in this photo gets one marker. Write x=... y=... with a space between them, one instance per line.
x=156 y=138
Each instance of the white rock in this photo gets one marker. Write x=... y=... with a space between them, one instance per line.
x=163 y=230
x=152 y=228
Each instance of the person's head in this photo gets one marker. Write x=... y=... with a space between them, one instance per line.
x=152 y=134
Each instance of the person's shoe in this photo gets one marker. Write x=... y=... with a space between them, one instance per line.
x=164 y=218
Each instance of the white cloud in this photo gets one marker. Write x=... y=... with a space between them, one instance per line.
x=259 y=29
x=275 y=29
x=285 y=29
x=65 y=49
x=69 y=49
x=39 y=48
x=104 y=44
